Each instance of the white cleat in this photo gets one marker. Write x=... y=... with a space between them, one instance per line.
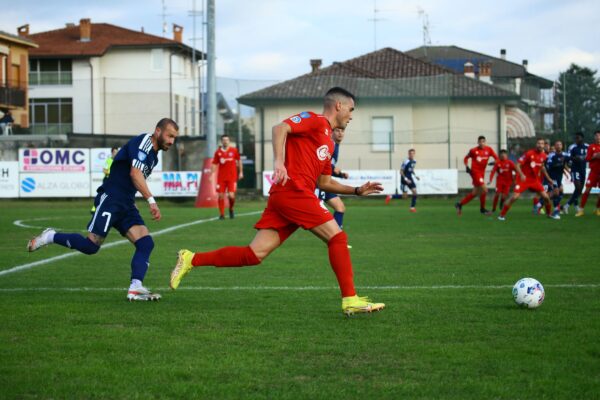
x=41 y=240
x=142 y=294
x=501 y=218
x=566 y=208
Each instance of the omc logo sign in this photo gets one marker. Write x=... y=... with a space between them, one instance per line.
x=28 y=185
x=54 y=160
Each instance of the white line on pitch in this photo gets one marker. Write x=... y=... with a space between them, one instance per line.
x=113 y=244
x=292 y=288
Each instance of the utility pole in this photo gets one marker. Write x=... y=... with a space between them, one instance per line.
x=375 y=20
x=195 y=83
x=211 y=82
x=565 y=102
x=164 y=18
x=240 y=143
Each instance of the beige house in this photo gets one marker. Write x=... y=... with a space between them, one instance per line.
x=402 y=103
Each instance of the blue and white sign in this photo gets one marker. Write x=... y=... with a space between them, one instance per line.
x=9 y=179
x=54 y=185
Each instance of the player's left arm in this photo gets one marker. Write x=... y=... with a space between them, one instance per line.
x=137 y=177
x=329 y=185
x=545 y=173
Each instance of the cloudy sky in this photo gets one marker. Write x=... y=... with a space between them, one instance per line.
x=274 y=39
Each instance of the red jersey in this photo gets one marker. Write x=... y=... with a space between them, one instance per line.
x=308 y=150
x=226 y=159
x=531 y=163
x=479 y=158
x=505 y=169
x=593 y=149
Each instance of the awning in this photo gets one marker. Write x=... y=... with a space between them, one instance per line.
x=518 y=124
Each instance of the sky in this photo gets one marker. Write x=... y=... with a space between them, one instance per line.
x=262 y=41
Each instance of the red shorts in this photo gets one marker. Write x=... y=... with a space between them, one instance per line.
x=229 y=186
x=503 y=187
x=477 y=179
x=529 y=184
x=288 y=210
x=593 y=179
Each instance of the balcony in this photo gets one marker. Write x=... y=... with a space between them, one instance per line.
x=50 y=78
x=51 y=129
x=11 y=97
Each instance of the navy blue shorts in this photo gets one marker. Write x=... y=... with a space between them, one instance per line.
x=404 y=184
x=113 y=213
x=326 y=196
x=557 y=180
x=578 y=176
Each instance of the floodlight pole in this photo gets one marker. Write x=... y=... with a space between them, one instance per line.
x=211 y=82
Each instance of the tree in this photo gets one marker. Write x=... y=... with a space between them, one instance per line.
x=578 y=92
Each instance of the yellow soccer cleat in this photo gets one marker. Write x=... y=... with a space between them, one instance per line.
x=598 y=212
x=355 y=304
x=182 y=268
x=580 y=212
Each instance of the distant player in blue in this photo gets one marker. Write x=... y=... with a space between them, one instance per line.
x=556 y=164
x=407 y=180
x=333 y=200
x=577 y=151
x=115 y=206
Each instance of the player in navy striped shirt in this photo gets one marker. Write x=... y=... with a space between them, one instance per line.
x=115 y=206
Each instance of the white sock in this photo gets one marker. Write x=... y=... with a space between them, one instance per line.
x=135 y=283
x=50 y=237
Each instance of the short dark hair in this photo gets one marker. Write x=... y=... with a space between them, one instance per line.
x=335 y=92
x=224 y=135
x=537 y=139
x=409 y=150
x=580 y=134
x=114 y=148
x=164 y=122
x=558 y=141
x=503 y=151
x=481 y=137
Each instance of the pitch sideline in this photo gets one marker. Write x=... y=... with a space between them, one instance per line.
x=27 y=266
x=296 y=288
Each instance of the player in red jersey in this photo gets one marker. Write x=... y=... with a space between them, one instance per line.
x=302 y=148
x=529 y=168
x=593 y=158
x=227 y=161
x=479 y=156
x=505 y=169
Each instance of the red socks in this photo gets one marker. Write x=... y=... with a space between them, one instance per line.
x=467 y=199
x=221 y=206
x=231 y=203
x=535 y=201
x=548 y=205
x=339 y=257
x=226 y=257
x=505 y=210
x=584 y=199
x=495 y=203
x=482 y=199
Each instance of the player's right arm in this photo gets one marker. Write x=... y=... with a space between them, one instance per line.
x=466 y=161
x=326 y=184
x=492 y=173
x=137 y=177
x=280 y=132
x=518 y=169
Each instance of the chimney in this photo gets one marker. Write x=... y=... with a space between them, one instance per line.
x=178 y=33
x=469 y=70
x=23 y=30
x=69 y=25
x=315 y=64
x=525 y=64
x=503 y=54
x=485 y=72
x=85 y=30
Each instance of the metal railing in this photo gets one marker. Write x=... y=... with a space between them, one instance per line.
x=51 y=78
x=10 y=96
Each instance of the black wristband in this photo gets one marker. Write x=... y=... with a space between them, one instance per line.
x=356 y=191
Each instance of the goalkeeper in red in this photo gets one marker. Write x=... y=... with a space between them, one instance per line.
x=593 y=157
x=302 y=146
x=479 y=156
x=529 y=170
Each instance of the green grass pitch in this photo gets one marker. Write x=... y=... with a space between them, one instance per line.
x=450 y=328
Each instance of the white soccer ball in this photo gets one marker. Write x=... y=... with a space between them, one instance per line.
x=529 y=293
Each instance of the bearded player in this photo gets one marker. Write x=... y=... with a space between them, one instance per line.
x=593 y=158
x=302 y=149
x=227 y=161
x=529 y=169
x=115 y=206
x=505 y=169
x=479 y=156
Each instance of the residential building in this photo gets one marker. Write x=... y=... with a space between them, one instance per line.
x=14 y=77
x=535 y=92
x=102 y=79
x=402 y=103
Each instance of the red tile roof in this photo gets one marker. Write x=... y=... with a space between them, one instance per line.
x=66 y=42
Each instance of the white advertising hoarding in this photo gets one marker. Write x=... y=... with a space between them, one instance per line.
x=9 y=179
x=435 y=181
x=180 y=183
x=98 y=157
x=355 y=178
x=54 y=160
x=54 y=185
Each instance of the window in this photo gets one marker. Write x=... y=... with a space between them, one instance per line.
x=51 y=116
x=382 y=133
x=50 y=72
x=157 y=58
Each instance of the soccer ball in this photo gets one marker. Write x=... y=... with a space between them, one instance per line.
x=528 y=293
